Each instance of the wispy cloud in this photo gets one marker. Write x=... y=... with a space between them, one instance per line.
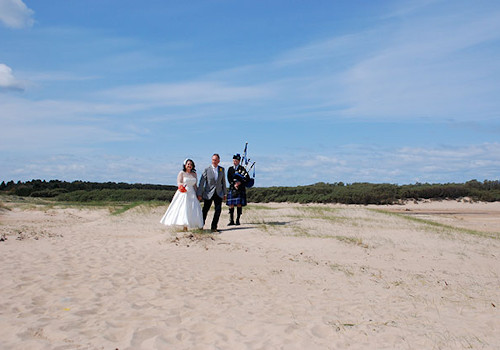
x=324 y=50
x=15 y=14
x=416 y=64
x=404 y=8
x=426 y=71
x=17 y=139
x=58 y=76
x=7 y=79
x=48 y=110
x=188 y=93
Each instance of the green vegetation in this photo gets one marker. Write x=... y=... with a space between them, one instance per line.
x=80 y=191
x=118 y=195
x=4 y=207
x=46 y=204
x=352 y=240
x=131 y=205
x=258 y=207
x=348 y=272
x=368 y=193
x=355 y=193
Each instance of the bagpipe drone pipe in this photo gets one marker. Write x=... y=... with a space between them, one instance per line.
x=244 y=176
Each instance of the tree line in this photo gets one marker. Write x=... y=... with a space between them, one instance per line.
x=85 y=191
x=355 y=193
x=370 y=193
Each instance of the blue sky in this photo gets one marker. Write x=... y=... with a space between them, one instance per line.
x=323 y=91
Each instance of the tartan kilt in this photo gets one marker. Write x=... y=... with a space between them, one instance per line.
x=236 y=198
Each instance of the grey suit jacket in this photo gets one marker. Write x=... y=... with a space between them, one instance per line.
x=208 y=186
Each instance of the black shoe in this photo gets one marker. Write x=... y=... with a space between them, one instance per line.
x=231 y=223
x=214 y=230
x=237 y=222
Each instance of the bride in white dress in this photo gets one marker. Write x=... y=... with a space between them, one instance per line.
x=185 y=209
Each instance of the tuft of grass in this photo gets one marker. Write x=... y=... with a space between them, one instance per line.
x=258 y=207
x=357 y=241
x=4 y=207
x=301 y=231
x=318 y=210
x=342 y=268
x=84 y=205
x=124 y=208
x=146 y=205
x=335 y=219
x=266 y=225
x=329 y=214
x=194 y=236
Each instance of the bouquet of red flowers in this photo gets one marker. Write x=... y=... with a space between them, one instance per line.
x=182 y=188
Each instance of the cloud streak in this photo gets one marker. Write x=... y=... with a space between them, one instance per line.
x=413 y=66
x=15 y=14
x=48 y=110
x=8 y=81
x=188 y=93
x=426 y=71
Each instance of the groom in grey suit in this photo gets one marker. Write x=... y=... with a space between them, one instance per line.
x=212 y=188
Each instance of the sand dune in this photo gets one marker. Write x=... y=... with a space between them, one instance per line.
x=414 y=276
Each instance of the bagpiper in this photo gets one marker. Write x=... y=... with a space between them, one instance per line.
x=238 y=179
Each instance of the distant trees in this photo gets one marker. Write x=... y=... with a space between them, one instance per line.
x=368 y=193
x=83 y=191
x=355 y=193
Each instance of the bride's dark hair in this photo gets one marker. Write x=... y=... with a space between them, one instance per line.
x=184 y=165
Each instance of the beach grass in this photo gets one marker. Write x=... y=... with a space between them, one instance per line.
x=338 y=267
x=115 y=208
x=316 y=209
x=333 y=215
x=259 y=207
x=436 y=226
x=3 y=206
x=300 y=231
x=357 y=241
x=266 y=225
x=143 y=206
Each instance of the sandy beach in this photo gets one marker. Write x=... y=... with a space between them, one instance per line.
x=423 y=275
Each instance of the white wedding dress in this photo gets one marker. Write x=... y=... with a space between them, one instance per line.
x=185 y=209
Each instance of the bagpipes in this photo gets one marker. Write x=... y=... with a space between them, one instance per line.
x=245 y=177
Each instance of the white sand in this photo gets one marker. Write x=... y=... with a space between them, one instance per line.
x=291 y=277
